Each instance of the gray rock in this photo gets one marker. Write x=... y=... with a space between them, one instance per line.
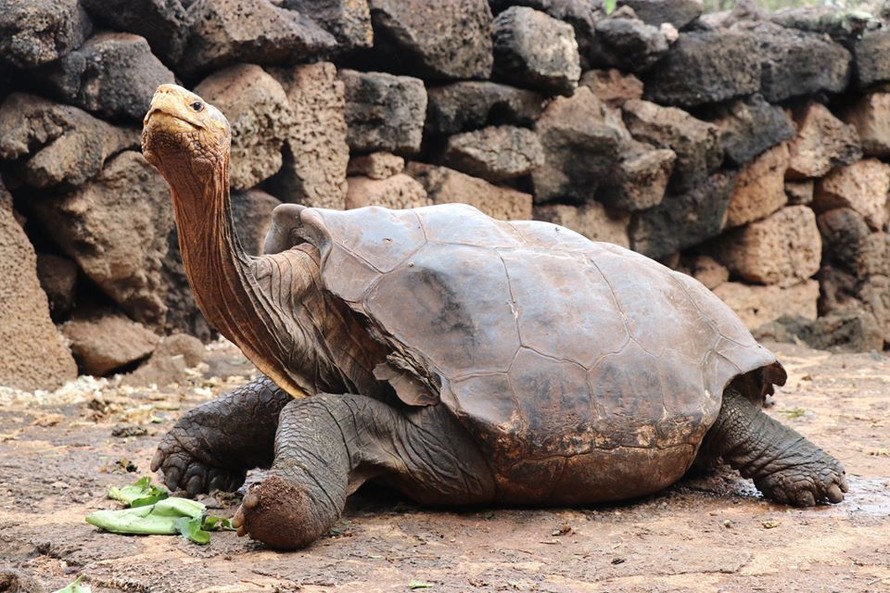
x=795 y=63
x=383 y=112
x=628 y=44
x=640 y=179
x=847 y=330
x=258 y=110
x=316 y=153
x=682 y=220
x=224 y=32
x=57 y=144
x=33 y=354
x=58 y=279
x=706 y=67
x=845 y=236
x=163 y=23
x=115 y=227
x=679 y=13
x=35 y=32
x=349 y=21
x=870 y=54
x=842 y=25
x=112 y=75
x=581 y=148
x=252 y=211
x=534 y=50
x=107 y=341
x=494 y=153
x=749 y=127
x=696 y=143
x=470 y=105
x=442 y=40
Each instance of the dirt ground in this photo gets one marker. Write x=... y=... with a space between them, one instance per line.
x=60 y=451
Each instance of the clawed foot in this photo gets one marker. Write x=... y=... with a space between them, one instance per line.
x=805 y=485
x=183 y=470
x=277 y=513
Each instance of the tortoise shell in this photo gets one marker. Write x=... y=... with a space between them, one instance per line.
x=557 y=353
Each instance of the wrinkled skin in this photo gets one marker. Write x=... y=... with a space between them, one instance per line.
x=351 y=428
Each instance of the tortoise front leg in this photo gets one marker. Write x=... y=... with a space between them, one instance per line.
x=213 y=446
x=785 y=466
x=328 y=445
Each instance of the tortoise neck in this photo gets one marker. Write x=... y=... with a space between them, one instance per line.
x=218 y=270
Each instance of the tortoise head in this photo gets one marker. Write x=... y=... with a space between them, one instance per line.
x=182 y=132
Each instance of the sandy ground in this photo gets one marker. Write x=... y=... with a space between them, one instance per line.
x=59 y=453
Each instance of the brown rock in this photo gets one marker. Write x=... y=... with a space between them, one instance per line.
x=783 y=249
x=757 y=305
x=108 y=341
x=823 y=142
x=349 y=21
x=862 y=186
x=258 y=111
x=58 y=278
x=612 y=86
x=316 y=153
x=445 y=186
x=168 y=363
x=33 y=354
x=398 y=191
x=706 y=270
x=494 y=153
x=59 y=144
x=799 y=192
x=377 y=165
x=640 y=179
x=870 y=115
x=116 y=228
x=760 y=188
x=591 y=220
x=252 y=211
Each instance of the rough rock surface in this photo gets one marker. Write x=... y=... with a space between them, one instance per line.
x=252 y=211
x=870 y=115
x=224 y=32
x=108 y=341
x=870 y=53
x=822 y=142
x=383 y=112
x=168 y=363
x=612 y=86
x=627 y=43
x=799 y=192
x=112 y=75
x=115 y=227
x=580 y=147
x=36 y=32
x=442 y=40
x=398 y=191
x=164 y=23
x=750 y=126
x=705 y=269
x=57 y=144
x=58 y=279
x=696 y=143
x=640 y=179
x=757 y=305
x=470 y=105
x=592 y=220
x=33 y=354
x=679 y=13
x=377 y=165
x=258 y=111
x=495 y=153
x=706 y=67
x=534 y=50
x=445 y=186
x=349 y=21
x=683 y=219
x=796 y=63
x=862 y=186
x=315 y=150
x=760 y=188
x=851 y=245
x=783 y=249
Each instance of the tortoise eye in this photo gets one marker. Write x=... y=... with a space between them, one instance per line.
x=197 y=106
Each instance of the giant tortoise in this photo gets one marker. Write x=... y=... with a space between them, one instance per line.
x=456 y=358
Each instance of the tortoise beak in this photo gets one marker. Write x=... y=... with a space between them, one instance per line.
x=170 y=102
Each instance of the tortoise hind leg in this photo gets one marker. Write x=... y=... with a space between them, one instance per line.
x=785 y=466
x=213 y=445
x=328 y=445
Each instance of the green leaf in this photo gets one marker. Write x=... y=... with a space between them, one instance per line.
x=419 y=585
x=191 y=528
x=610 y=5
x=140 y=493
x=214 y=523
x=157 y=519
x=75 y=587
